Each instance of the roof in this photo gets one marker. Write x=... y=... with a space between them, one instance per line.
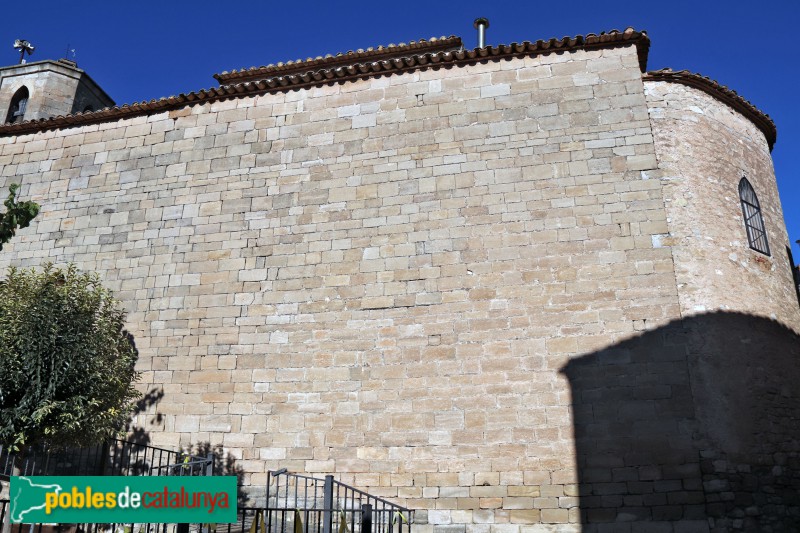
x=442 y=44
x=343 y=67
x=722 y=93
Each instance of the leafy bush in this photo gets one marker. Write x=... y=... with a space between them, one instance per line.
x=66 y=363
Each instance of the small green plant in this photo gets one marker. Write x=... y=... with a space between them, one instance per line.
x=185 y=465
x=343 y=522
x=259 y=519
x=399 y=515
x=17 y=215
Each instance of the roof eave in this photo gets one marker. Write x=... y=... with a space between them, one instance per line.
x=722 y=93
x=434 y=44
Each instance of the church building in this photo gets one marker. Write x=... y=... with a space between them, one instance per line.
x=522 y=288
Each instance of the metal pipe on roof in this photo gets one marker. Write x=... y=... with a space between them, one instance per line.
x=481 y=24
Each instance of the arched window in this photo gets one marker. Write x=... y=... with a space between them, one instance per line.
x=16 y=111
x=751 y=211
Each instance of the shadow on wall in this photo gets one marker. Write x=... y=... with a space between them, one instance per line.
x=135 y=462
x=694 y=426
x=138 y=434
x=224 y=465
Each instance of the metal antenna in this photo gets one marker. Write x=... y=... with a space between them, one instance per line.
x=68 y=52
x=23 y=46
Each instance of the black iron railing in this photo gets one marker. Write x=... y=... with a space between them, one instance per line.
x=298 y=502
x=89 y=528
x=114 y=457
x=111 y=458
x=274 y=520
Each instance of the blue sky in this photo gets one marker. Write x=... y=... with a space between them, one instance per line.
x=147 y=49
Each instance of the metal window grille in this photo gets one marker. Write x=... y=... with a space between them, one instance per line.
x=751 y=211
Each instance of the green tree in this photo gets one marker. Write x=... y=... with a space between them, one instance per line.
x=66 y=363
x=17 y=215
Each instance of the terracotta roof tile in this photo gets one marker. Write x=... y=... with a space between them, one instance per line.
x=400 y=59
x=431 y=45
x=722 y=93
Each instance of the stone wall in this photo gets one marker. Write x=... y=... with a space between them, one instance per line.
x=689 y=427
x=380 y=278
x=89 y=95
x=704 y=148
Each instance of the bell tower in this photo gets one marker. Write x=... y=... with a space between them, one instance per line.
x=44 y=89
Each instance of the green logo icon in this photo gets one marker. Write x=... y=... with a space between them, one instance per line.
x=123 y=499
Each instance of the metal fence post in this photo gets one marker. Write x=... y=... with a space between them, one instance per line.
x=327 y=505
x=269 y=480
x=211 y=458
x=208 y=470
x=104 y=451
x=366 y=518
